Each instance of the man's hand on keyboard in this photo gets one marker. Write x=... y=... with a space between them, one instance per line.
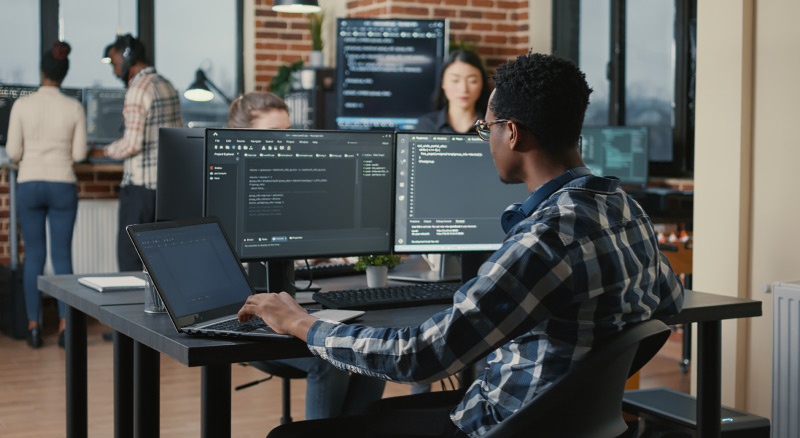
x=280 y=311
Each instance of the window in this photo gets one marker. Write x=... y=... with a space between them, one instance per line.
x=638 y=57
x=650 y=72
x=89 y=26
x=594 y=41
x=205 y=37
x=20 y=43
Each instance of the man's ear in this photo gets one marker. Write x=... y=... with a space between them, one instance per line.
x=514 y=136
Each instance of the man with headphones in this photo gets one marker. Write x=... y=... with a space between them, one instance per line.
x=579 y=262
x=151 y=102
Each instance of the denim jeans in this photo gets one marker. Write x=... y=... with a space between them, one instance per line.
x=331 y=392
x=38 y=201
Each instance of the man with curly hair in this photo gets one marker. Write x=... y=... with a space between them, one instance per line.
x=579 y=262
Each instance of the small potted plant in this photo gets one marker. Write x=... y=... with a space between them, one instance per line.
x=315 y=28
x=377 y=267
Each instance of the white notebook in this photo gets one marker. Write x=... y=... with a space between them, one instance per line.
x=107 y=284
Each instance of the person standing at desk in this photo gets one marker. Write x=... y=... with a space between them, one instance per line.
x=47 y=134
x=579 y=262
x=151 y=102
x=330 y=392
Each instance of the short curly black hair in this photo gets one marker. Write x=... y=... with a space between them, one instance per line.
x=547 y=95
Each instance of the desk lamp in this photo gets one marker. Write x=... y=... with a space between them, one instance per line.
x=199 y=90
x=296 y=6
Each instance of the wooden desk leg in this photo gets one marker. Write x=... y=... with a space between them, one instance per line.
x=709 y=378
x=215 y=415
x=77 y=401
x=146 y=386
x=123 y=386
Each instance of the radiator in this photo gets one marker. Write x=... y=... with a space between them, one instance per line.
x=786 y=359
x=94 y=242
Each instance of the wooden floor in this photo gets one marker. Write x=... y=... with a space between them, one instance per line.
x=32 y=392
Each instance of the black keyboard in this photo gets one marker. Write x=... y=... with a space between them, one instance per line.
x=324 y=271
x=233 y=325
x=388 y=297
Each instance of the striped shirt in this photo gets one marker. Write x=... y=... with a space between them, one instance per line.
x=582 y=266
x=150 y=103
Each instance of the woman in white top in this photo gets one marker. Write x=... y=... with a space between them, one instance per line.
x=46 y=134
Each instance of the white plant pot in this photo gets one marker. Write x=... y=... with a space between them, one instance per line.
x=377 y=276
x=315 y=58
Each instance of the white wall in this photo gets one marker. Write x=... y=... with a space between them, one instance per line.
x=776 y=202
x=722 y=148
x=746 y=153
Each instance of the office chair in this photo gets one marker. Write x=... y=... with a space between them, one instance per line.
x=587 y=401
x=286 y=373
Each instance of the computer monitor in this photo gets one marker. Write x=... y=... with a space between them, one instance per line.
x=179 y=192
x=448 y=195
x=620 y=151
x=291 y=194
x=387 y=71
x=104 y=122
x=10 y=93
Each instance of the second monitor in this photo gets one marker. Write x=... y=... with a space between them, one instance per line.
x=449 y=196
x=285 y=194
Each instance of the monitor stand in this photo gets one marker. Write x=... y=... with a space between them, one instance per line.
x=276 y=276
x=449 y=270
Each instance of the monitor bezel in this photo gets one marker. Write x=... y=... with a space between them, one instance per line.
x=392 y=167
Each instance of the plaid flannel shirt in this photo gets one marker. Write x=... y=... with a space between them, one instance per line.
x=150 y=103
x=582 y=266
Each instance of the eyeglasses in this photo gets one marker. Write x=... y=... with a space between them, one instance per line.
x=482 y=127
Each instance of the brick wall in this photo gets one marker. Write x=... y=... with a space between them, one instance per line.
x=94 y=182
x=497 y=29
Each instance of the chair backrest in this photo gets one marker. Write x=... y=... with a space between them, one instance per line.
x=587 y=401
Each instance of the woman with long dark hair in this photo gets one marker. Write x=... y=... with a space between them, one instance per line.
x=46 y=135
x=461 y=97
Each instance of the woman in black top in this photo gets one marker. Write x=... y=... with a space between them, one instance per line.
x=461 y=97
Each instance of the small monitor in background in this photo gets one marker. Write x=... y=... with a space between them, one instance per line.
x=387 y=71
x=10 y=93
x=620 y=151
x=179 y=193
x=104 y=121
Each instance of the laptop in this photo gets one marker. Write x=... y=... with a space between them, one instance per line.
x=200 y=279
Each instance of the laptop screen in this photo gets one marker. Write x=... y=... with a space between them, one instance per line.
x=194 y=268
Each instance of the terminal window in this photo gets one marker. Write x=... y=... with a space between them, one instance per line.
x=387 y=71
x=449 y=196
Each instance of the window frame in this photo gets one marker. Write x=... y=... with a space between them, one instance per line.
x=145 y=26
x=566 y=25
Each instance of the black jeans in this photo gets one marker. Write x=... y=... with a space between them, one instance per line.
x=137 y=205
x=417 y=415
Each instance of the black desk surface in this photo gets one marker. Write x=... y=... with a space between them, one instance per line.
x=123 y=311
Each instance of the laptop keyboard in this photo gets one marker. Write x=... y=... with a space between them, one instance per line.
x=233 y=325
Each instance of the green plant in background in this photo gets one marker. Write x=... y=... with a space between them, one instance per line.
x=463 y=45
x=390 y=260
x=315 y=28
x=282 y=82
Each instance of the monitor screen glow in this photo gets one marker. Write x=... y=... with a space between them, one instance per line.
x=287 y=194
x=448 y=195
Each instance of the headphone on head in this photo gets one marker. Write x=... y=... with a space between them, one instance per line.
x=128 y=55
x=517 y=212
